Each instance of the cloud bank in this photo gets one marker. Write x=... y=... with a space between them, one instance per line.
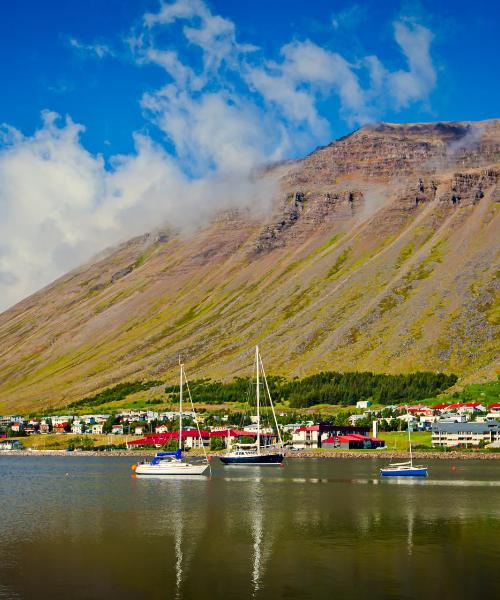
x=222 y=114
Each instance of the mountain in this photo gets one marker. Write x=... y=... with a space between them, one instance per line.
x=380 y=252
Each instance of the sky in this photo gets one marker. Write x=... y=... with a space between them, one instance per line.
x=119 y=117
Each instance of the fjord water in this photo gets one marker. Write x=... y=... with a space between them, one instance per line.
x=84 y=527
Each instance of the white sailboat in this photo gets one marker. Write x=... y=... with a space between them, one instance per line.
x=171 y=463
x=257 y=454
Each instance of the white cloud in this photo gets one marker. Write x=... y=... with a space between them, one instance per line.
x=98 y=50
x=59 y=205
x=222 y=115
x=309 y=72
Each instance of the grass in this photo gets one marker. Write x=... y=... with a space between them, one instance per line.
x=56 y=441
x=398 y=440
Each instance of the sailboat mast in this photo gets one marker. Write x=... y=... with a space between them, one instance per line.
x=258 y=397
x=181 y=378
x=409 y=440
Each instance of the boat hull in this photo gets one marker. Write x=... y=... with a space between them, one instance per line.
x=179 y=469
x=259 y=460
x=404 y=472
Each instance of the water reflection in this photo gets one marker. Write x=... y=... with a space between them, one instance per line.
x=248 y=533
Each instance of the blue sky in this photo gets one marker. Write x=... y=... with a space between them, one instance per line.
x=39 y=69
x=121 y=116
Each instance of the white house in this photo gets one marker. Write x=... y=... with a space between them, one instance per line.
x=117 y=429
x=363 y=404
x=161 y=429
x=97 y=428
x=78 y=427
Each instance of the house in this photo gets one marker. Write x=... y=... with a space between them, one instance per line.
x=465 y=434
x=353 y=419
x=495 y=408
x=44 y=426
x=97 y=428
x=62 y=420
x=417 y=409
x=363 y=404
x=352 y=441
x=461 y=407
x=78 y=427
x=311 y=436
x=161 y=429
x=61 y=427
x=117 y=429
x=17 y=427
x=8 y=445
x=139 y=430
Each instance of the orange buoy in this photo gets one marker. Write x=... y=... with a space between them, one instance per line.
x=133 y=467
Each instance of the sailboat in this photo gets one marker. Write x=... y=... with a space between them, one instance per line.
x=257 y=454
x=407 y=468
x=171 y=463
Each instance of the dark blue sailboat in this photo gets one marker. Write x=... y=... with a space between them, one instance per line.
x=256 y=454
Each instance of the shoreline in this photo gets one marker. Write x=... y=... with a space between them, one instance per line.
x=325 y=454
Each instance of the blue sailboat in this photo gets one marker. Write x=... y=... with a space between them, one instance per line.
x=407 y=468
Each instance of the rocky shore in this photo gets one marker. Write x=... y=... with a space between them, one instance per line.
x=322 y=454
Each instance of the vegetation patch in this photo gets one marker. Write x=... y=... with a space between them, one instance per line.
x=333 y=272
x=115 y=393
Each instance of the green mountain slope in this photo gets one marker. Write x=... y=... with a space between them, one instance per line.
x=380 y=253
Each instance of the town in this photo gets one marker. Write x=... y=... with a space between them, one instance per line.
x=452 y=425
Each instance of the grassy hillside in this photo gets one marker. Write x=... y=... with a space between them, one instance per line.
x=380 y=254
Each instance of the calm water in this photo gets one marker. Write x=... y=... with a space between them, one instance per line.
x=83 y=527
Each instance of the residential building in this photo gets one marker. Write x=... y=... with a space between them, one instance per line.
x=353 y=419
x=352 y=441
x=363 y=404
x=97 y=428
x=161 y=429
x=117 y=429
x=311 y=436
x=44 y=426
x=465 y=434
x=62 y=420
x=8 y=445
x=78 y=427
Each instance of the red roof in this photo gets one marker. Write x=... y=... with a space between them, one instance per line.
x=457 y=405
x=496 y=405
x=308 y=428
x=232 y=433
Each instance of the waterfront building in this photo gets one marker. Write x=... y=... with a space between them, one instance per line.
x=311 y=436
x=465 y=434
x=9 y=445
x=352 y=441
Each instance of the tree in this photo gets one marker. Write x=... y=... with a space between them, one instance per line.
x=217 y=443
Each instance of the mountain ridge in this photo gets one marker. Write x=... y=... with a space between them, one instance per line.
x=380 y=253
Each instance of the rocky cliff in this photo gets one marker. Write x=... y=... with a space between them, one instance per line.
x=380 y=252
